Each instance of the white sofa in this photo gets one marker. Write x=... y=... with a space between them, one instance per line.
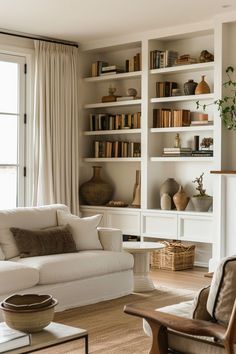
x=75 y=279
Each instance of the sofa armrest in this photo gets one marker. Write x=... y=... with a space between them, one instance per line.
x=111 y=239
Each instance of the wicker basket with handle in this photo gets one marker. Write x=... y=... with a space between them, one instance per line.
x=175 y=256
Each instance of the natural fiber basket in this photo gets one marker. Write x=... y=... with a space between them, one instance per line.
x=175 y=256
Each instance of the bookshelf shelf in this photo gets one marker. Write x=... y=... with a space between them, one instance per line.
x=112 y=159
x=182 y=159
x=183 y=129
x=208 y=96
x=184 y=68
x=130 y=75
x=113 y=104
x=112 y=132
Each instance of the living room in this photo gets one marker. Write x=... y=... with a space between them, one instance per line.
x=119 y=125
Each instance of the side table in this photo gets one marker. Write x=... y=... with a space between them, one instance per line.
x=140 y=251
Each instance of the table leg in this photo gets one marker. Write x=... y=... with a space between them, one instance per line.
x=86 y=344
x=142 y=282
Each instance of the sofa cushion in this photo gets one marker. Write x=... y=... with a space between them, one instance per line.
x=28 y=218
x=84 y=230
x=223 y=291
x=75 y=266
x=15 y=276
x=42 y=242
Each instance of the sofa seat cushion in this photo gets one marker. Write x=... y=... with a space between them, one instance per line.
x=74 y=266
x=15 y=276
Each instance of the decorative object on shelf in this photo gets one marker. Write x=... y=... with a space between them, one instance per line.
x=202 y=87
x=177 y=143
x=176 y=92
x=137 y=191
x=196 y=142
x=117 y=204
x=111 y=97
x=181 y=199
x=189 y=87
x=96 y=191
x=170 y=186
x=28 y=313
x=206 y=56
x=226 y=105
x=207 y=143
x=132 y=92
x=165 y=202
x=201 y=201
x=185 y=59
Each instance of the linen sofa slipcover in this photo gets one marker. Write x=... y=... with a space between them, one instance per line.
x=75 y=279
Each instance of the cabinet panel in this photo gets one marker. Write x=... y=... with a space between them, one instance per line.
x=195 y=228
x=159 y=225
x=128 y=222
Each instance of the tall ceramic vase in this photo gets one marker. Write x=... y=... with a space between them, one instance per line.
x=202 y=87
x=96 y=191
x=137 y=191
x=180 y=199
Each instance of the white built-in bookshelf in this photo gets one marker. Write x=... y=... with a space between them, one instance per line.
x=150 y=221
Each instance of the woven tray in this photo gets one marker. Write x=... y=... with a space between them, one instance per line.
x=175 y=256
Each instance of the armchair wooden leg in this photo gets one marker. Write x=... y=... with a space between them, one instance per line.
x=229 y=348
x=159 y=338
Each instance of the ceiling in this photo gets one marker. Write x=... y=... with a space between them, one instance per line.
x=86 y=20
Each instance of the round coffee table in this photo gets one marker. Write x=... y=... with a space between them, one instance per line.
x=140 y=251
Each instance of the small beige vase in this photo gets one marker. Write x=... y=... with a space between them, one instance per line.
x=202 y=87
x=180 y=199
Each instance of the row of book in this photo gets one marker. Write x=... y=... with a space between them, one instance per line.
x=101 y=68
x=164 y=89
x=105 y=121
x=185 y=152
x=162 y=58
x=117 y=148
x=166 y=117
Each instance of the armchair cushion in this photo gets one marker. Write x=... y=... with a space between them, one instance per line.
x=223 y=291
x=200 y=305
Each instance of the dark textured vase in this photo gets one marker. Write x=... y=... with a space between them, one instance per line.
x=96 y=191
x=170 y=186
x=189 y=87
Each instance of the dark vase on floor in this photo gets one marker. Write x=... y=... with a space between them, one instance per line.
x=96 y=191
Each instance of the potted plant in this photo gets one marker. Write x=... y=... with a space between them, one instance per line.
x=201 y=201
x=227 y=104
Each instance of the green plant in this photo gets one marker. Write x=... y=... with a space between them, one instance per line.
x=226 y=105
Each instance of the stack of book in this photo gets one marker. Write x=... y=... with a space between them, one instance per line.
x=11 y=339
x=133 y=64
x=165 y=117
x=162 y=58
x=177 y=152
x=185 y=60
x=196 y=123
x=105 y=121
x=108 y=149
x=202 y=153
x=111 y=70
x=164 y=89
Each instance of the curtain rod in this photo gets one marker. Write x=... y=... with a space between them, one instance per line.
x=46 y=39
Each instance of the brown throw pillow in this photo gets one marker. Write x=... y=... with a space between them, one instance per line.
x=54 y=240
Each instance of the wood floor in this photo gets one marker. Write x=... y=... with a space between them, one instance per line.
x=192 y=279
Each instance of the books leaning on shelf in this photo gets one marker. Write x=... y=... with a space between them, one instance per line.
x=166 y=117
x=105 y=121
x=177 y=152
x=164 y=89
x=133 y=64
x=11 y=339
x=96 y=67
x=117 y=148
x=162 y=58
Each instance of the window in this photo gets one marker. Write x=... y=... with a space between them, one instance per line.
x=12 y=144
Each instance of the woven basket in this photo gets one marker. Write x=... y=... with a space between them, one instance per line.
x=175 y=256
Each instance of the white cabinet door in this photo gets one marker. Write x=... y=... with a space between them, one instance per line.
x=195 y=228
x=127 y=221
x=160 y=225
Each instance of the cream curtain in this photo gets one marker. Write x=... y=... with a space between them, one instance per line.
x=56 y=125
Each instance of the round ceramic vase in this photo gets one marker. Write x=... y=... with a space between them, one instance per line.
x=189 y=87
x=165 y=202
x=202 y=87
x=170 y=186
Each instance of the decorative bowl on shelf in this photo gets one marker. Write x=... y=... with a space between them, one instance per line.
x=27 y=301
x=29 y=319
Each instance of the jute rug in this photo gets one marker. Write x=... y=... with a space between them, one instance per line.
x=110 y=330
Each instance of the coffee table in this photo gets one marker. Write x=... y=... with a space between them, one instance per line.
x=140 y=251
x=53 y=334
